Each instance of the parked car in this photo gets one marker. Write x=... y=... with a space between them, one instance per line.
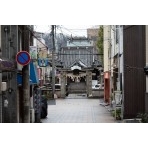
x=103 y=86
x=98 y=86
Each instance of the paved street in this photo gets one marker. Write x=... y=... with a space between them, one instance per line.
x=76 y=108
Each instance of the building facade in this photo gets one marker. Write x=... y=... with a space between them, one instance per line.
x=15 y=77
x=92 y=33
x=126 y=54
x=106 y=32
x=134 y=43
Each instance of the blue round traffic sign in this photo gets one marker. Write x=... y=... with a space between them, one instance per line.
x=23 y=58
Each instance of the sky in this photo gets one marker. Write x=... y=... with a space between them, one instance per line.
x=75 y=30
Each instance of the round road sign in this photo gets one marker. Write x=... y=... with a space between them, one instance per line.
x=23 y=58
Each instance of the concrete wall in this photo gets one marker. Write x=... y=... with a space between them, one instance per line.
x=98 y=93
x=77 y=87
x=9 y=50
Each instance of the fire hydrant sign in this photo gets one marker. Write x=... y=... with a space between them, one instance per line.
x=23 y=58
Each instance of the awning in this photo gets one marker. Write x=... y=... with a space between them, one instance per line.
x=7 y=65
x=33 y=75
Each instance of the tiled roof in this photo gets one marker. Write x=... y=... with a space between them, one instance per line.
x=70 y=55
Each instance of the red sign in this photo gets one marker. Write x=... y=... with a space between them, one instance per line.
x=23 y=58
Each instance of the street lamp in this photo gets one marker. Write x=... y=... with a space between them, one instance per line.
x=53 y=62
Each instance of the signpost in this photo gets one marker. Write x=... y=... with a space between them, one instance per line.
x=23 y=58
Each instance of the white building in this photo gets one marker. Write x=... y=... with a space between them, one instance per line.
x=113 y=63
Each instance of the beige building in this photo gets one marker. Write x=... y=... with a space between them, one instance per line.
x=44 y=69
x=107 y=62
x=92 y=33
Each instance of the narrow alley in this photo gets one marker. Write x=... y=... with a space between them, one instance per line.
x=76 y=108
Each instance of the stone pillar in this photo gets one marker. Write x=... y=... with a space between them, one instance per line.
x=89 y=83
x=63 y=84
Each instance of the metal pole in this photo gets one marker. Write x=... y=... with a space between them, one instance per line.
x=119 y=56
x=53 y=63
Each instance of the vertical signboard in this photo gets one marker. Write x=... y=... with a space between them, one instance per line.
x=42 y=58
x=33 y=52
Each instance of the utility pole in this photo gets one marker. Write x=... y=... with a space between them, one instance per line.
x=53 y=62
x=25 y=82
x=146 y=109
x=0 y=82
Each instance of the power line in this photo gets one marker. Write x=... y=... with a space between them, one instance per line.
x=78 y=54
x=73 y=43
x=67 y=38
x=48 y=29
x=69 y=30
x=30 y=29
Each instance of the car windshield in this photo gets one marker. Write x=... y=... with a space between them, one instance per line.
x=97 y=85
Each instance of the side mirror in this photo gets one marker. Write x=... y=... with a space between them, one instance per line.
x=146 y=70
